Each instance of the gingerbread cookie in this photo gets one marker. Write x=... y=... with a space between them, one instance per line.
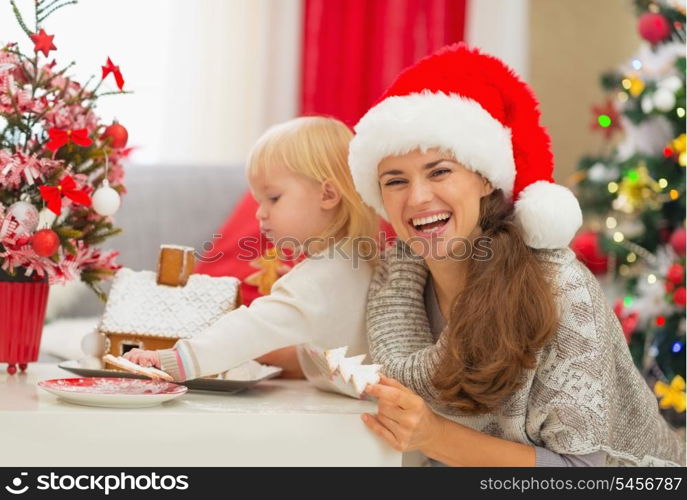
x=128 y=366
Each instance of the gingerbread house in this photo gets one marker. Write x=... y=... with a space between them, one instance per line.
x=152 y=310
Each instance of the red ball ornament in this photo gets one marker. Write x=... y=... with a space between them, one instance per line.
x=653 y=27
x=680 y=297
x=678 y=240
x=45 y=242
x=587 y=249
x=676 y=274
x=117 y=134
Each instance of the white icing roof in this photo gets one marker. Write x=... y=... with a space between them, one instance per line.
x=137 y=304
x=177 y=247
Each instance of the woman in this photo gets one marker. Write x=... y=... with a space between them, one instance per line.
x=499 y=345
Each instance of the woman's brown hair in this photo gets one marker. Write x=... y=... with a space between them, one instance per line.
x=503 y=316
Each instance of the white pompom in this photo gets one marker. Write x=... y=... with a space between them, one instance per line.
x=106 y=200
x=664 y=99
x=548 y=214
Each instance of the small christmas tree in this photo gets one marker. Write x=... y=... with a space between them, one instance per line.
x=61 y=170
x=633 y=195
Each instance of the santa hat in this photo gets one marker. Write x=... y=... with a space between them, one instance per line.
x=471 y=105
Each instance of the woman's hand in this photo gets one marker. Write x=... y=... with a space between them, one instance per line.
x=403 y=418
x=143 y=357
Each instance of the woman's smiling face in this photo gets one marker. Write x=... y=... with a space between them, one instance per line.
x=432 y=200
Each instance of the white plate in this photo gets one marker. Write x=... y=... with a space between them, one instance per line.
x=113 y=392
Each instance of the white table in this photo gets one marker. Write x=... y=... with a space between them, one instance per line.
x=276 y=423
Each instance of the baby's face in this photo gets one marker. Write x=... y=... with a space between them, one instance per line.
x=289 y=210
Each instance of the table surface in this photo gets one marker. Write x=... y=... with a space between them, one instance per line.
x=275 y=423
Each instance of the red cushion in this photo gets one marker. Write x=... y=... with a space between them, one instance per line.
x=226 y=257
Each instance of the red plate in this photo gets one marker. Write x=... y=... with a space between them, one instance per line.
x=113 y=392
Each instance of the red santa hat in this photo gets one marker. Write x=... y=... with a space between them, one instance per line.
x=475 y=107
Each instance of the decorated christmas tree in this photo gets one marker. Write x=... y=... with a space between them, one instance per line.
x=633 y=195
x=61 y=171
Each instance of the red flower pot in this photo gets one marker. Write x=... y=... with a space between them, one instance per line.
x=22 y=313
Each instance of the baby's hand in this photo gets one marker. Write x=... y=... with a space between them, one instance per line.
x=143 y=357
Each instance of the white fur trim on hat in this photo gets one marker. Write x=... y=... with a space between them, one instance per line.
x=548 y=215
x=425 y=120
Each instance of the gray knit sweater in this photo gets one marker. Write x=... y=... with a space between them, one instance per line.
x=584 y=395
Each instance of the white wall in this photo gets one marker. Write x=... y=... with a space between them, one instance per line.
x=500 y=27
x=208 y=75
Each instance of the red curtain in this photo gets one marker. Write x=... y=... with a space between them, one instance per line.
x=353 y=49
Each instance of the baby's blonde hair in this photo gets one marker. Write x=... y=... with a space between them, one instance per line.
x=317 y=147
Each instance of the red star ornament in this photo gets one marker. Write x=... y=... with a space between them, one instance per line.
x=111 y=68
x=42 y=42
